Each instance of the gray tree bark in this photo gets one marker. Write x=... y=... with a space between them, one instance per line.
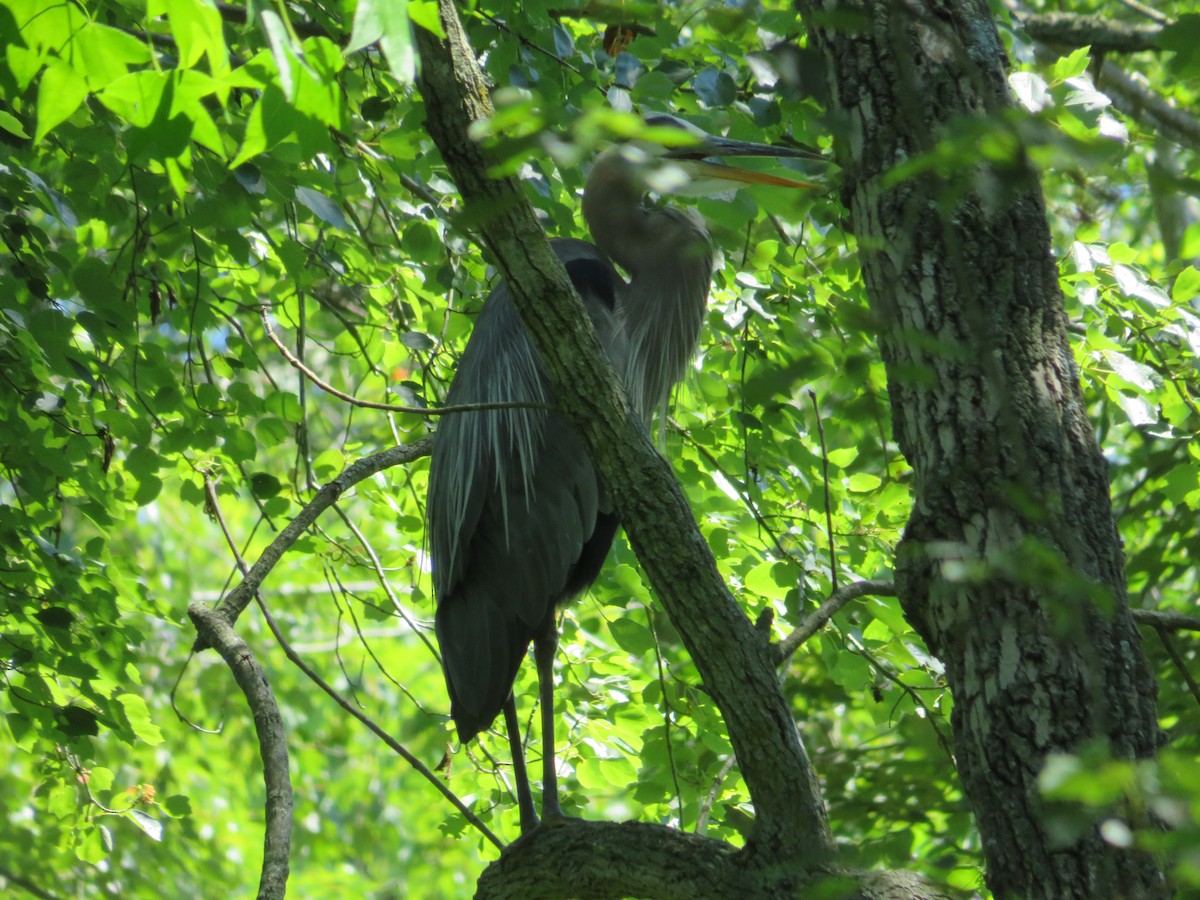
x=1010 y=567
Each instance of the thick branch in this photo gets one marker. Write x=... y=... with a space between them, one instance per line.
x=734 y=660
x=1099 y=32
x=609 y=861
x=1158 y=618
x=1140 y=102
x=216 y=631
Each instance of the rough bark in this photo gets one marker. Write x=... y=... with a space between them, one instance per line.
x=597 y=860
x=1010 y=567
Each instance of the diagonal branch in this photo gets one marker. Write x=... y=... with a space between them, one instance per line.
x=734 y=660
x=817 y=619
x=1099 y=32
x=239 y=598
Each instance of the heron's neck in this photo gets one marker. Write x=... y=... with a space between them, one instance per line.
x=612 y=208
x=668 y=256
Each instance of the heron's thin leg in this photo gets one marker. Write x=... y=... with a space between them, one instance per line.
x=529 y=818
x=544 y=647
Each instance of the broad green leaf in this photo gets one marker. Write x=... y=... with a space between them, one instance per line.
x=60 y=92
x=138 y=714
x=388 y=23
x=12 y=125
x=1073 y=65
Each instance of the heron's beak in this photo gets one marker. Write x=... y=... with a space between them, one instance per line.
x=696 y=161
x=702 y=170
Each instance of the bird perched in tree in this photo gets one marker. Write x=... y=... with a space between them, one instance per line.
x=519 y=521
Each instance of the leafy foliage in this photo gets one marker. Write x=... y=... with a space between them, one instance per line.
x=172 y=182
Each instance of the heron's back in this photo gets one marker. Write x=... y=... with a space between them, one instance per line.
x=518 y=520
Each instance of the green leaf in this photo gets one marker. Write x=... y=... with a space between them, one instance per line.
x=843 y=456
x=150 y=825
x=12 y=124
x=863 y=482
x=1139 y=375
x=92 y=847
x=631 y=636
x=197 y=30
x=425 y=14
x=61 y=91
x=102 y=54
x=286 y=54
x=389 y=24
x=75 y=721
x=1187 y=285
x=1072 y=66
x=100 y=779
x=55 y=617
x=138 y=715
x=264 y=485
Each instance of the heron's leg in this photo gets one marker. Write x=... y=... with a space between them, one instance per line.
x=529 y=818
x=544 y=647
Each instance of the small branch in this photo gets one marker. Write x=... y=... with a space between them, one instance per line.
x=239 y=598
x=294 y=658
x=1139 y=102
x=215 y=631
x=1180 y=663
x=316 y=379
x=713 y=793
x=1102 y=33
x=1153 y=14
x=817 y=619
x=833 y=579
x=395 y=746
x=26 y=885
x=1161 y=619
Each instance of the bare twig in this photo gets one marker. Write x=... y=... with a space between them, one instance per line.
x=1153 y=14
x=316 y=379
x=1180 y=663
x=239 y=597
x=1162 y=619
x=201 y=613
x=26 y=885
x=713 y=793
x=833 y=578
x=396 y=747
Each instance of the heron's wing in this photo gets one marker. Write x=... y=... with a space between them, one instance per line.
x=516 y=512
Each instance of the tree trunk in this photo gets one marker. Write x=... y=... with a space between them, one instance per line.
x=1010 y=567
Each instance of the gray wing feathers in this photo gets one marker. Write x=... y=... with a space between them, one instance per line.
x=512 y=500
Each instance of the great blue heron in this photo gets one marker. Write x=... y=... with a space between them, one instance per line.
x=518 y=519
